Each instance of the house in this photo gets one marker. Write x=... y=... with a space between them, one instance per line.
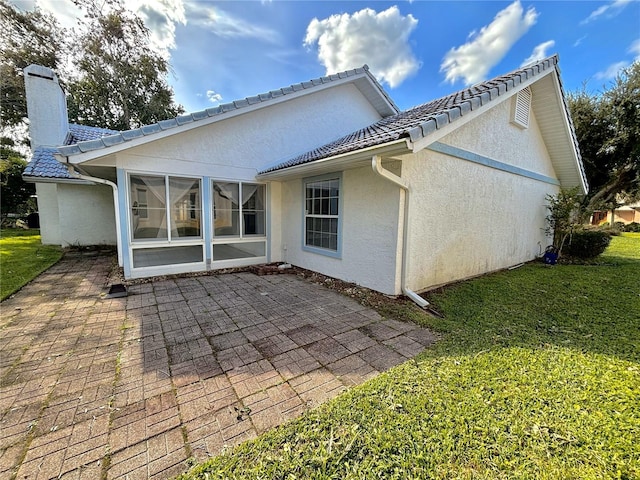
x=327 y=175
x=624 y=214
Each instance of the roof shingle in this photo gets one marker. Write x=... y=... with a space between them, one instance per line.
x=116 y=138
x=420 y=121
x=43 y=163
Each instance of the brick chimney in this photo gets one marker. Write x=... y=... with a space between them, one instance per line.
x=46 y=107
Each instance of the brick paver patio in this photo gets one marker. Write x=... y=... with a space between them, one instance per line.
x=134 y=387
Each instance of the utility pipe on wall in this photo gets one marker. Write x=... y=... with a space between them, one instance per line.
x=376 y=164
x=116 y=204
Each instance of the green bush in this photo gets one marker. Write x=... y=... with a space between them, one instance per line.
x=587 y=243
x=632 y=227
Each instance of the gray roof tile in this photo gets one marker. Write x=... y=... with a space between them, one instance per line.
x=131 y=134
x=83 y=139
x=420 y=121
x=43 y=164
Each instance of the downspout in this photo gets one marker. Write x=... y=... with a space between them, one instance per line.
x=376 y=164
x=74 y=172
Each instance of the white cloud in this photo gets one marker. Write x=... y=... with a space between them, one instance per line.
x=213 y=96
x=539 y=52
x=380 y=40
x=579 y=41
x=473 y=60
x=161 y=17
x=63 y=10
x=635 y=49
x=609 y=11
x=225 y=25
x=612 y=71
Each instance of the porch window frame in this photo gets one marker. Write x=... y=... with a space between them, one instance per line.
x=151 y=243
x=241 y=237
x=169 y=240
x=305 y=215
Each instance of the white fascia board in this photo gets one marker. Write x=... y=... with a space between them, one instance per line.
x=569 y=136
x=101 y=152
x=72 y=181
x=424 y=142
x=340 y=162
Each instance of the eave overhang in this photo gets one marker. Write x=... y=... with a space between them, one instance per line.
x=345 y=161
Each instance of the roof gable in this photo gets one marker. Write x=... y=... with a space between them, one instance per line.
x=360 y=77
x=419 y=124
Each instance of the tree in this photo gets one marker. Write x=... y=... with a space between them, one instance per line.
x=607 y=127
x=14 y=191
x=121 y=82
x=565 y=213
x=118 y=81
x=25 y=38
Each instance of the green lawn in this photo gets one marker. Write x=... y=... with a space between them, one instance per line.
x=22 y=258
x=537 y=377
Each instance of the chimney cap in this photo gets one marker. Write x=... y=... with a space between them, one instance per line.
x=34 y=70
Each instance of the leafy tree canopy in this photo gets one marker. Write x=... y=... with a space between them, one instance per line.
x=14 y=191
x=122 y=81
x=113 y=77
x=25 y=38
x=607 y=126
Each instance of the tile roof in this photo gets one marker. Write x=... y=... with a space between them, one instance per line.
x=122 y=137
x=420 y=121
x=43 y=163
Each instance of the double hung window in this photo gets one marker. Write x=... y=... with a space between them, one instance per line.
x=322 y=214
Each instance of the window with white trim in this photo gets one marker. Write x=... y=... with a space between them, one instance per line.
x=238 y=209
x=165 y=208
x=239 y=222
x=322 y=213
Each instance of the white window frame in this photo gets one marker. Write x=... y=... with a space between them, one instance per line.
x=241 y=237
x=142 y=244
x=305 y=215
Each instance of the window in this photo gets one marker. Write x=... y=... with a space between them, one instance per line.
x=239 y=222
x=165 y=208
x=238 y=209
x=321 y=215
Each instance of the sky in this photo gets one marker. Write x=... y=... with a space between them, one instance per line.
x=417 y=50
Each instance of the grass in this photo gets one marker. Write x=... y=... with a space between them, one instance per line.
x=22 y=258
x=537 y=376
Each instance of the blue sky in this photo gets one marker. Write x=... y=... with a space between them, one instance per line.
x=418 y=50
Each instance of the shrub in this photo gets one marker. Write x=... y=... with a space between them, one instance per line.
x=587 y=243
x=619 y=226
x=632 y=227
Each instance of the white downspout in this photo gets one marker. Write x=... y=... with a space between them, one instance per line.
x=116 y=204
x=376 y=164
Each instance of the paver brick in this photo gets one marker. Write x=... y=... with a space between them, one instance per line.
x=219 y=358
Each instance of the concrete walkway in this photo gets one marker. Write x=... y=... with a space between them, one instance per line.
x=134 y=387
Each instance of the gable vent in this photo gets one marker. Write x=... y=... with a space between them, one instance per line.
x=521 y=108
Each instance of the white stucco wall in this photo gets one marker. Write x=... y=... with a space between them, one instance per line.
x=86 y=215
x=370 y=239
x=48 y=212
x=275 y=222
x=237 y=148
x=468 y=219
